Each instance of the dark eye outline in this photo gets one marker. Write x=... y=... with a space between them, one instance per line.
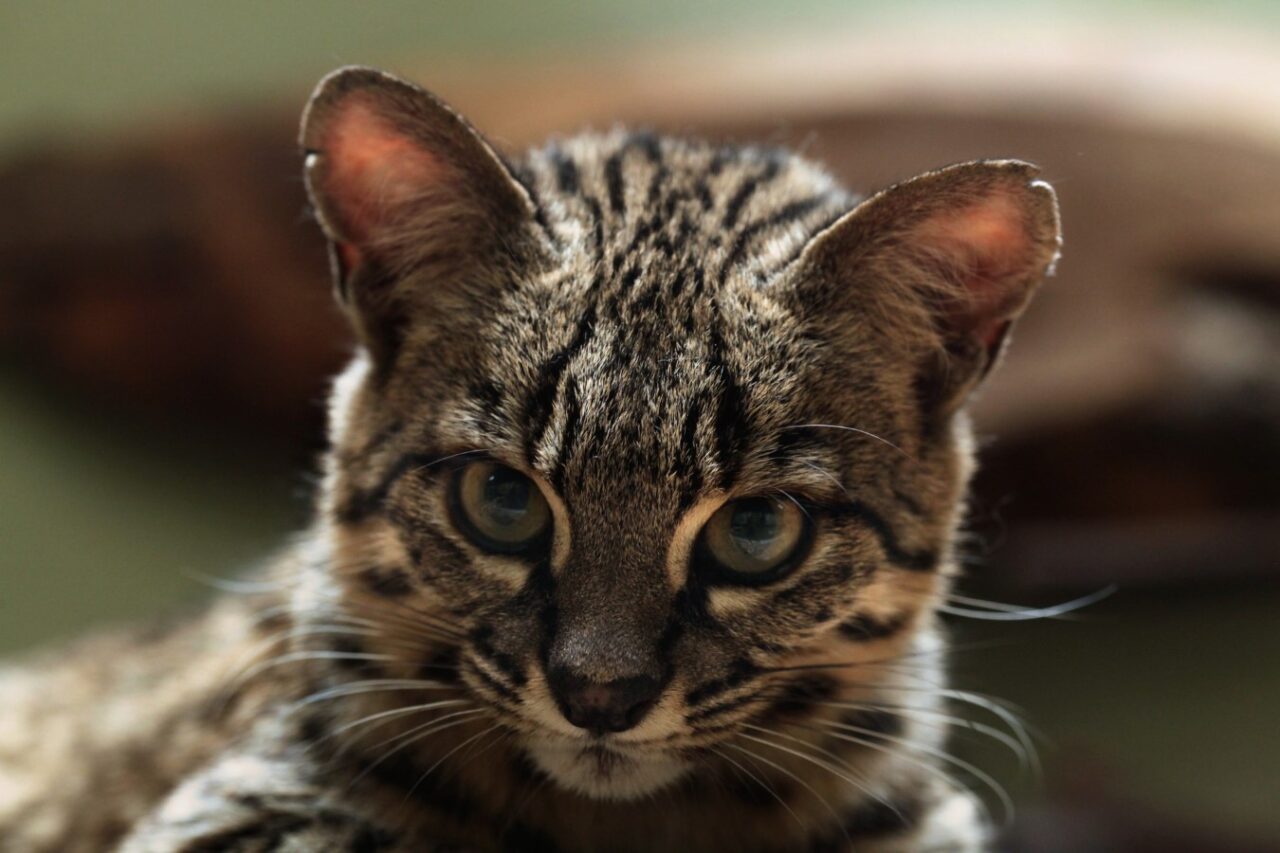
x=712 y=572
x=535 y=548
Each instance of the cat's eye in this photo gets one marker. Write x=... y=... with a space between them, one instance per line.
x=500 y=509
x=752 y=541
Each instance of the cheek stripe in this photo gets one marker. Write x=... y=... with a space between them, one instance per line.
x=481 y=643
x=865 y=628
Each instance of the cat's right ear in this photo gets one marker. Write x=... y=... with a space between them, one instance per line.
x=941 y=265
x=399 y=181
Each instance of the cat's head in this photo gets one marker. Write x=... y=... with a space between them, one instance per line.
x=649 y=442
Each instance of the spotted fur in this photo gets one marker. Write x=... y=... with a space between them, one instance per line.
x=647 y=327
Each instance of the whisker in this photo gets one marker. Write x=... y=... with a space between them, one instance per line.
x=414 y=621
x=841 y=427
x=820 y=762
x=755 y=778
x=795 y=778
x=994 y=611
x=442 y=759
x=1006 y=802
x=360 y=688
x=393 y=713
x=413 y=736
x=236 y=586
x=1027 y=758
x=299 y=657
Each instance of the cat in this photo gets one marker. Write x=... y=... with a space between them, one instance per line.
x=642 y=497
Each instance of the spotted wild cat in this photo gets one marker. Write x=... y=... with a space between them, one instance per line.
x=642 y=496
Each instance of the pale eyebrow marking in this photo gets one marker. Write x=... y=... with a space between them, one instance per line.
x=680 y=551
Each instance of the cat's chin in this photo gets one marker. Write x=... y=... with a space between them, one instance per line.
x=603 y=772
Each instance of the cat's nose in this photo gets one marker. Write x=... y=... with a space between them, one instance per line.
x=603 y=707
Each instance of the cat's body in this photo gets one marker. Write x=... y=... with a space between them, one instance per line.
x=641 y=500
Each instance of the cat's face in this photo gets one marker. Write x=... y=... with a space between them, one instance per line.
x=653 y=445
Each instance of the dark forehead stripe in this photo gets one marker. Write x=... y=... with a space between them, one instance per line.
x=542 y=404
x=731 y=426
x=746 y=190
x=567 y=180
x=792 y=212
x=572 y=419
x=614 y=180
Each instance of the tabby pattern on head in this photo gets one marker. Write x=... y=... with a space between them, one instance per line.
x=647 y=475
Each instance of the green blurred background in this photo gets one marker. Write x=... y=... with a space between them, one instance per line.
x=107 y=516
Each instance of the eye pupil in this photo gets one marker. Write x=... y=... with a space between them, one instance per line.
x=506 y=496
x=754 y=526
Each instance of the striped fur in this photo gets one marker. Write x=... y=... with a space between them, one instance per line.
x=647 y=327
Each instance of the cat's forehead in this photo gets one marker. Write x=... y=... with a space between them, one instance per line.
x=671 y=220
x=656 y=341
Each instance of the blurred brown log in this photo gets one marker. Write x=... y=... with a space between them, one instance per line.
x=176 y=272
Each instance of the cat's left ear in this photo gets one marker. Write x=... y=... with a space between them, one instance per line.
x=401 y=182
x=943 y=264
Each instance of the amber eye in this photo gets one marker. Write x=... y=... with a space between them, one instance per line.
x=500 y=509
x=753 y=540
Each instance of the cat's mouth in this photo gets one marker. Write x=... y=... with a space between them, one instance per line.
x=605 y=770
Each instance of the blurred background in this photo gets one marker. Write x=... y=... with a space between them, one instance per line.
x=166 y=327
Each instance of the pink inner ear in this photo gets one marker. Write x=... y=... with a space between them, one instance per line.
x=372 y=167
x=988 y=245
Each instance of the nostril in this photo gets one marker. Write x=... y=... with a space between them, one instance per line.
x=603 y=707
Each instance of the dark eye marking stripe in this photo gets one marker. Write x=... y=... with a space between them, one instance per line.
x=416 y=530
x=747 y=189
x=924 y=560
x=863 y=628
x=379 y=440
x=909 y=503
x=362 y=504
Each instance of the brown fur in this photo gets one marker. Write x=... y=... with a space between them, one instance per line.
x=647 y=328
